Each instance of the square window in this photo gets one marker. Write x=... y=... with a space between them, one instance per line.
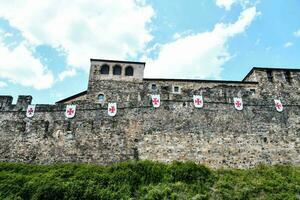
x=153 y=87
x=176 y=89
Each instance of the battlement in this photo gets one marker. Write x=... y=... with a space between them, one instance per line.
x=22 y=102
x=217 y=134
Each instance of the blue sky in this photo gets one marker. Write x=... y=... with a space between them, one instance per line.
x=45 y=47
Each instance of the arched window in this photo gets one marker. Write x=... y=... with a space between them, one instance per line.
x=101 y=98
x=129 y=71
x=104 y=69
x=117 y=70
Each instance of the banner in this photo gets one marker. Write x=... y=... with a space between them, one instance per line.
x=198 y=101
x=155 y=101
x=238 y=103
x=30 y=111
x=112 y=109
x=70 y=111
x=278 y=105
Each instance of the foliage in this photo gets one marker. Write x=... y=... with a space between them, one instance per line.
x=146 y=180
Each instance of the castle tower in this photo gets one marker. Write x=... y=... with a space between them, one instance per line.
x=114 y=79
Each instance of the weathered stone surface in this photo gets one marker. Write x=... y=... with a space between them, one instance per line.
x=216 y=135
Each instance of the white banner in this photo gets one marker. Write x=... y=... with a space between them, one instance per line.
x=30 y=111
x=112 y=109
x=278 y=105
x=155 y=101
x=238 y=103
x=70 y=111
x=198 y=101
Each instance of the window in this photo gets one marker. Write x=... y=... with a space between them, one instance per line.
x=117 y=70
x=129 y=71
x=288 y=77
x=104 y=69
x=153 y=87
x=270 y=75
x=176 y=89
x=101 y=98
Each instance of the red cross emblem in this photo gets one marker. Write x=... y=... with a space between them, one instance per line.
x=198 y=101
x=155 y=101
x=30 y=111
x=278 y=105
x=112 y=109
x=238 y=104
x=70 y=111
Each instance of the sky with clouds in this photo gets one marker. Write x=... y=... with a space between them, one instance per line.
x=46 y=46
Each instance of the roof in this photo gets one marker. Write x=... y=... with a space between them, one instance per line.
x=118 y=61
x=72 y=97
x=199 y=80
x=270 y=68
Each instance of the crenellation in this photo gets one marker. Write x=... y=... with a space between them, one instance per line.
x=217 y=135
x=5 y=102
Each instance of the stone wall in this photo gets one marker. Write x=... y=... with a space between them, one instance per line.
x=216 y=135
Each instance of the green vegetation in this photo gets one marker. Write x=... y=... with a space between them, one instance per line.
x=146 y=180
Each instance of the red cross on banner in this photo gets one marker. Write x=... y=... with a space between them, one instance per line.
x=278 y=105
x=238 y=103
x=70 y=111
x=30 y=111
x=155 y=101
x=198 y=101
x=112 y=109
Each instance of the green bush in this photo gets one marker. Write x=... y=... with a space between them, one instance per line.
x=146 y=180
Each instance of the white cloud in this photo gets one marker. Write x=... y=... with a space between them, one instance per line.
x=200 y=55
x=288 y=44
x=225 y=3
x=19 y=66
x=84 y=29
x=297 y=33
x=67 y=73
x=2 y=84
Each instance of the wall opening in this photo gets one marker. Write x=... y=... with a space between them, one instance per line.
x=153 y=87
x=117 y=70
x=104 y=69
x=270 y=75
x=288 y=77
x=176 y=89
x=101 y=98
x=135 y=153
x=129 y=71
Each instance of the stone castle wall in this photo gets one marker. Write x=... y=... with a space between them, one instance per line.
x=216 y=135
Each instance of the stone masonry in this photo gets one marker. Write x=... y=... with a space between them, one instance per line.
x=217 y=135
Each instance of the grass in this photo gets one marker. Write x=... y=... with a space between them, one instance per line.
x=146 y=180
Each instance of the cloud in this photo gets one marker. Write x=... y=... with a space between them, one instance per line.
x=67 y=73
x=297 y=33
x=288 y=44
x=225 y=3
x=199 y=55
x=84 y=29
x=19 y=66
x=2 y=84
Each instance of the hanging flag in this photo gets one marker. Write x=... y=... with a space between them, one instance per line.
x=112 y=109
x=155 y=100
x=30 y=111
x=238 y=103
x=198 y=101
x=278 y=105
x=70 y=111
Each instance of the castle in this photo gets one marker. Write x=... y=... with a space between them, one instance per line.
x=217 y=134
